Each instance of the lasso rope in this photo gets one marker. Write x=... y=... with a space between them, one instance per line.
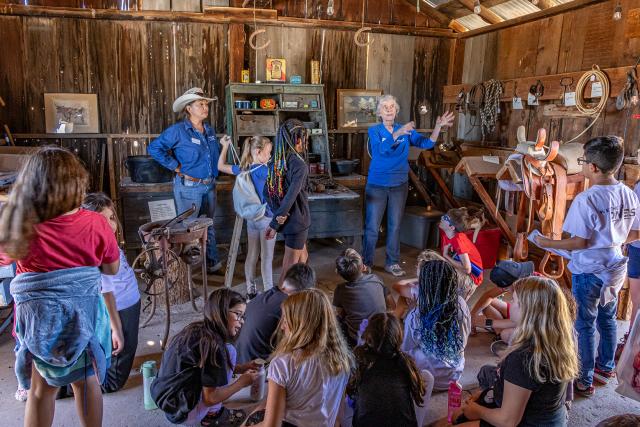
x=489 y=110
x=581 y=104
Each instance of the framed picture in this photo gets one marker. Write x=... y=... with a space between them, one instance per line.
x=71 y=112
x=357 y=108
x=276 y=70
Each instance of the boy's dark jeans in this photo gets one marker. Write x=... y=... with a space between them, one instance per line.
x=118 y=372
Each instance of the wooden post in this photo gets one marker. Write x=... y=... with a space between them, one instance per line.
x=488 y=202
x=233 y=252
x=236 y=52
x=112 y=169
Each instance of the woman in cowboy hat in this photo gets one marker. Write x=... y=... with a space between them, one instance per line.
x=190 y=148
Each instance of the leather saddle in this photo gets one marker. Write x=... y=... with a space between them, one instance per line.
x=541 y=171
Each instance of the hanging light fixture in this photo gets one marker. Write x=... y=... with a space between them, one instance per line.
x=617 y=12
x=476 y=7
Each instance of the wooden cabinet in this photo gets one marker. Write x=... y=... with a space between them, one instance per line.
x=303 y=102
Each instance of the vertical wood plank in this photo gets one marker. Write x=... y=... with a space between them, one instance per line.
x=236 y=42
x=549 y=45
x=40 y=40
x=161 y=75
x=12 y=75
x=103 y=63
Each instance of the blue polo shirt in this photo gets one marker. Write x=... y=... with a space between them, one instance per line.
x=389 y=159
x=196 y=153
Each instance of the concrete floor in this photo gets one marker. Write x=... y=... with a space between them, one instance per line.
x=125 y=408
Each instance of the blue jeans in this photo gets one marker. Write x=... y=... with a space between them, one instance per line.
x=378 y=199
x=586 y=290
x=203 y=196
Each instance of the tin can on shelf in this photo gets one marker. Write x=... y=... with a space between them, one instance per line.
x=254 y=104
x=321 y=169
x=245 y=76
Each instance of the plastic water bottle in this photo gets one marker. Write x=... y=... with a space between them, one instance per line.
x=149 y=372
x=455 y=399
x=258 y=388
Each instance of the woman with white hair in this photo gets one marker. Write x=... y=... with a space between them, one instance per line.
x=387 y=183
x=190 y=149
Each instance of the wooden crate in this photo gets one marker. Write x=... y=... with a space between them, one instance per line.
x=255 y=124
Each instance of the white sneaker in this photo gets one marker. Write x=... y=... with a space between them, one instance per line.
x=395 y=270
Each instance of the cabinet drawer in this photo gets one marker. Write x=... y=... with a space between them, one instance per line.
x=256 y=124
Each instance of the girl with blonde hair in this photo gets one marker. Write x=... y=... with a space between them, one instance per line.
x=310 y=367
x=540 y=363
x=255 y=156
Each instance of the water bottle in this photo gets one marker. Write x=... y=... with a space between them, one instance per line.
x=259 y=386
x=149 y=373
x=455 y=399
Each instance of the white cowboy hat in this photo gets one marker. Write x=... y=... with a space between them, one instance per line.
x=193 y=94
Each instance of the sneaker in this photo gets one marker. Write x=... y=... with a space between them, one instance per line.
x=603 y=377
x=395 y=270
x=21 y=395
x=216 y=268
x=498 y=347
x=224 y=417
x=583 y=390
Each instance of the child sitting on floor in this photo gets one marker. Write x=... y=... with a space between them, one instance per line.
x=310 y=367
x=436 y=330
x=197 y=366
x=492 y=312
x=362 y=295
x=460 y=251
x=386 y=382
x=122 y=298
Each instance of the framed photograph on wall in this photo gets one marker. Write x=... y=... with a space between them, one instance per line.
x=276 y=70
x=357 y=108
x=71 y=112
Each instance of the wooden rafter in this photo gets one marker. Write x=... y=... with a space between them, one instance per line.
x=485 y=13
x=431 y=12
x=546 y=4
x=440 y=17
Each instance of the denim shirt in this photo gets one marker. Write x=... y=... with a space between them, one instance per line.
x=197 y=154
x=389 y=159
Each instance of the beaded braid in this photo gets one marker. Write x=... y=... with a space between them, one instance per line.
x=289 y=133
x=438 y=324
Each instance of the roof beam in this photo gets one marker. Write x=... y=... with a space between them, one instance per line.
x=565 y=7
x=431 y=12
x=485 y=13
x=546 y=4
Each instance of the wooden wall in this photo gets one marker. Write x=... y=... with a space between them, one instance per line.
x=136 y=68
x=564 y=43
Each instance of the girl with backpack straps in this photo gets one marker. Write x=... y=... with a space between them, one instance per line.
x=250 y=204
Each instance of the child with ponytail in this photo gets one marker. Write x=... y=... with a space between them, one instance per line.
x=255 y=155
x=386 y=383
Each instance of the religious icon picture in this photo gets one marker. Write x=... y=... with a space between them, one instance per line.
x=276 y=70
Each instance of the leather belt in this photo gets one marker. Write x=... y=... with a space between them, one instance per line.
x=205 y=181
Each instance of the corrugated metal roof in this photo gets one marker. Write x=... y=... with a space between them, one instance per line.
x=436 y=3
x=514 y=8
x=472 y=21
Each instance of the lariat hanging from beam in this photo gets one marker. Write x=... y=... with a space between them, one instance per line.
x=363 y=29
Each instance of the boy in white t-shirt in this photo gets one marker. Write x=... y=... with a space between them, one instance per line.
x=600 y=220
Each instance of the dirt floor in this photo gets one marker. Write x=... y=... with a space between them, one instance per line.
x=125 y=408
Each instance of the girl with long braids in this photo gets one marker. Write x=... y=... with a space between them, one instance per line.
x=286 y=192
x=436 y=330
x=197 y=366
x=386 y=382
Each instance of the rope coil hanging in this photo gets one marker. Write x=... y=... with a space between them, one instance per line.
x=581 y=104
x=490 y=107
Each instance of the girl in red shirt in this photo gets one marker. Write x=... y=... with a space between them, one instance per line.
x=43 y=229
